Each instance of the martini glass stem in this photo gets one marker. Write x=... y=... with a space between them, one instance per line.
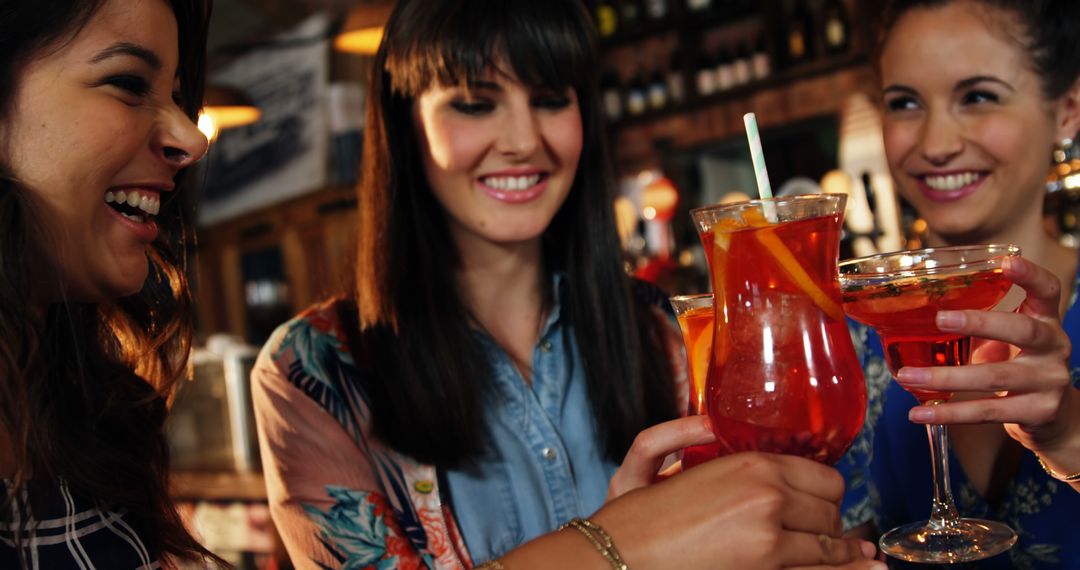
x=943 y=515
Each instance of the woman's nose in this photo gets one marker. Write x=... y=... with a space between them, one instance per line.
x=180 y=142
x=520 y=136
x=942 y=138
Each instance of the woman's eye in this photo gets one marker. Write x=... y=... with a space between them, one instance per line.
x=472 y=107
x=133 y=84
x=552 y=102
x=901 y=104
x=976 y=97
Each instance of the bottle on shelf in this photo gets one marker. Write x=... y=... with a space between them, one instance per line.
x=705 y=75
x=657 y=93
x=629 y=15
x=799 y=45
x=611 y=91
x=743 y=66
x=636 y=96
x=759 y=61
x=698 y=6
x=607 y=18
x=676 y=83
x=656 y=9
x=836 y=27
x=725 y=70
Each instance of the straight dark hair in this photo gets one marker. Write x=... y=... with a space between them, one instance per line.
x=1049 y=31
x=84 y=387
x=425 y=373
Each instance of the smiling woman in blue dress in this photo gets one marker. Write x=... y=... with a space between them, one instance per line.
x=976 y=96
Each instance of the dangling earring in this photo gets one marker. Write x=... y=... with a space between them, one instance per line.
x=1062 y=151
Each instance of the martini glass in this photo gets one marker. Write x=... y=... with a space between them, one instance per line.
x=899 y=295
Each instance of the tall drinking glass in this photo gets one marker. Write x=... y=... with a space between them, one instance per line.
x=900 y=294
x=695 y=314
x=783 y=376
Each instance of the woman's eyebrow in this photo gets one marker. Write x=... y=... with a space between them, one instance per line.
x=904 y=89
x=127 y=49
x=485 y=84
x=972 y=81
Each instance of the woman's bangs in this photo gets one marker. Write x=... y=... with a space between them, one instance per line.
x=540 y=41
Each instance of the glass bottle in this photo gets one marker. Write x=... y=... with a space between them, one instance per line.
x=611 y=93
x=799 y=46
x=725 y=70
x=657 y=92
x=636 y=102
x=743 y=70
x=836 y=28
x=760 y=61
x=676 y=83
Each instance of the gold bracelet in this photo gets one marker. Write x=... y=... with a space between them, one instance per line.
x=1072 y=478
x=600 y=539
x=492 y=564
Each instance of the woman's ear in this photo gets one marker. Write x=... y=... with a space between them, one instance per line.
x=1069 y=117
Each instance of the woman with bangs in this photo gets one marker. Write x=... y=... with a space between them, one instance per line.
x=495 y=375
x=97 y=105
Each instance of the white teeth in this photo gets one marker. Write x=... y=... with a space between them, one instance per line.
x=511 y=183
x=134 y=217
x=147 y=203
x=951 y=182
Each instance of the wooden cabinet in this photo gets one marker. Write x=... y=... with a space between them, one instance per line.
x=256 y=271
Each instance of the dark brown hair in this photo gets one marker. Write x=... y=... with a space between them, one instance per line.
x=1049 y=31
x=84 y=386
x=426 y=374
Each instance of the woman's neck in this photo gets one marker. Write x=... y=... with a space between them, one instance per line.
x=505 y=289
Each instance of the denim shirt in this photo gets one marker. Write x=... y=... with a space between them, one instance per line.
x=544 y=463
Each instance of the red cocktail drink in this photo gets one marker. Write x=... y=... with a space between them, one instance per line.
x=784 y=376
x=900 y=294
x=695 y=314
x=903 y=314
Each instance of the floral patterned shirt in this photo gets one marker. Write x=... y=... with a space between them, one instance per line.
x=889 y=475
x=340 y=497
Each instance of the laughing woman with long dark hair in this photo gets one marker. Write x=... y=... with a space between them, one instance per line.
x=97 y=101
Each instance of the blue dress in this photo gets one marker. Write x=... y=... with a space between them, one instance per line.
x=889 y=475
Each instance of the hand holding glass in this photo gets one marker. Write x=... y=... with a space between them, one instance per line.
x=900 y=294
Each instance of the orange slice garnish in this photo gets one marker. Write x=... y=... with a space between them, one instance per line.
x=797 y=274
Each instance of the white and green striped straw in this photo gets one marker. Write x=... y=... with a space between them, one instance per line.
x=758 y=157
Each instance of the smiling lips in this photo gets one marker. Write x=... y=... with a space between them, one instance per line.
x=515 y=189
x=947 y=187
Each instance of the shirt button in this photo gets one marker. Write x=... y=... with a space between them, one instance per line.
x=549 y=453
x=545 y=346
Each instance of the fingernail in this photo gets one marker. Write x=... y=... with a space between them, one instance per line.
x=921 y=414
x=878 y=566
x=1012 y=265
x=949 y=320
x=913 y=376
x=868 y=549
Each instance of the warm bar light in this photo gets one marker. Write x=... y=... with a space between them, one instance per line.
x=226 y=108
x=363 y=29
